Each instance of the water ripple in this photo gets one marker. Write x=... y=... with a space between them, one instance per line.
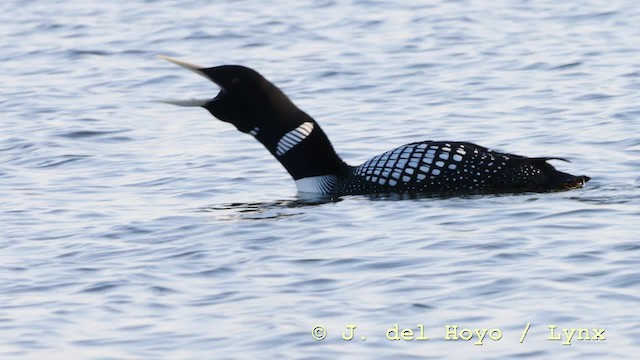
x=132 y=229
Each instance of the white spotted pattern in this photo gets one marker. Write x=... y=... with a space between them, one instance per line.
x=293 y=138
x=433 y=166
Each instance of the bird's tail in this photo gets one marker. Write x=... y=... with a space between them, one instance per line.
x=552 y=179
x=558 y=180
x=563 y=181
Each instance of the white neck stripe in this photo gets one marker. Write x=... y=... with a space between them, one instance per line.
x=293 y=138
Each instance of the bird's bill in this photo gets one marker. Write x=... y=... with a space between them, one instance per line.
x=188 y=102
x=191 y=67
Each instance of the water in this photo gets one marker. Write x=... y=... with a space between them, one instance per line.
x=132 y=229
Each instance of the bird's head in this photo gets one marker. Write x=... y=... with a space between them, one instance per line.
x=246 y=99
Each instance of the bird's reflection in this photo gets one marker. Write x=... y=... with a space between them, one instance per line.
x=279 y=209
x=267 y=210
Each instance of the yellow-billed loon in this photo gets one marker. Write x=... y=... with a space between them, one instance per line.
x=257 y=107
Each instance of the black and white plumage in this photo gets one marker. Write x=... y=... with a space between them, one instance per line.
x=451 y=167
x=293 y=138
x=256 y=106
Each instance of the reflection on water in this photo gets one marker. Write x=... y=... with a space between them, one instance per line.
x=266 y=210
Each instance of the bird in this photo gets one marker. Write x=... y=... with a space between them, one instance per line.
x=257 y=107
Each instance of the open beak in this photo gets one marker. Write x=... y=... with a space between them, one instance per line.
x=196 y=69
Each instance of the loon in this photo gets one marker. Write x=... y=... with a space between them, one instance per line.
x=256 y=106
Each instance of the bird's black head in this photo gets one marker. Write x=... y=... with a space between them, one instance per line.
x=246 y=99
x=256 y=106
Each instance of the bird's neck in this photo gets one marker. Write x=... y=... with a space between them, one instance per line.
x=301 y=147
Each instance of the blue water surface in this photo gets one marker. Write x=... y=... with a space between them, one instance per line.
x=131 y=229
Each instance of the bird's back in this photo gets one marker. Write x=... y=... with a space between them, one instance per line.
x=453 y=167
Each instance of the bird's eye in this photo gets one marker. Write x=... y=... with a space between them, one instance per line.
x=235 y=81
